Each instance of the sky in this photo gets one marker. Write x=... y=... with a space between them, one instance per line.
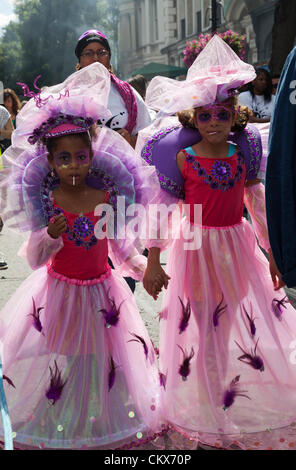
x=6 y=13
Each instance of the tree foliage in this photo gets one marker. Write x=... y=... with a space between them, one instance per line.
x=43 y=39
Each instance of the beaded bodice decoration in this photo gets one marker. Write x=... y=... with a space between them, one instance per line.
x=220 y=175
x=218 y=185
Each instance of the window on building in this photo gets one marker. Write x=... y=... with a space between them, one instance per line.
x=183 y=28
x=220 y=12
x=207 y=14
x=138 y=26
x=154 y=22
x=198 y=22
x=189 y=17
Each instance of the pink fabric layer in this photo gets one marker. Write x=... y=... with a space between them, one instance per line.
x=74 y=334
x=229 y=262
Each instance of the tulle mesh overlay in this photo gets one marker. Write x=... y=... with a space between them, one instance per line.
x=80 y=379
x=214 y=75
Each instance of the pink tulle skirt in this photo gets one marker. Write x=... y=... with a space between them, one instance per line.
x=226 y=281
x=78 y=383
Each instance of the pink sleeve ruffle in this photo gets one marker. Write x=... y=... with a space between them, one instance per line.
x=40 y=248
x=254 y=199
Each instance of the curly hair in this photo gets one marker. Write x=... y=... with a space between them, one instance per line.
x=242 y=116
x=16 y=104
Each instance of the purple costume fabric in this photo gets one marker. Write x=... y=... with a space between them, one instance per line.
x=162 y=148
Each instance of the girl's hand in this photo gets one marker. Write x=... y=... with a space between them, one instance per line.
x=59 y=226
x=154 y=279
x=276 y=276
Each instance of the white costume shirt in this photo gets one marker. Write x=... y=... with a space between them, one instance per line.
x=261 y=108
x=119 y=112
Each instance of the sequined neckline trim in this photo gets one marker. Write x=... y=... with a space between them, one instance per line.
x=220 y=175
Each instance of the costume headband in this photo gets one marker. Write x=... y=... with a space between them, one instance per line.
x=92 y=35
x=62 y=124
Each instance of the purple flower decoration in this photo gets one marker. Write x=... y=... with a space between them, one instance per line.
x=251 y=359
x=83 y=227
x=36 y=316
x=278 y=306
x=190 y=158
x=184 y=369
x=55 y=389
x=221 y=170
x=201 y=171
x=186 y=312
x=232 y=392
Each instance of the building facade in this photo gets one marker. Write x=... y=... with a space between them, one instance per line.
x=157 y=30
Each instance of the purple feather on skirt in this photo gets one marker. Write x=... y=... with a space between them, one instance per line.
x=232 y=392
x=251 y=359
x=111 y=316
x=140 y=340
x=55 y=389
x=278 y=306
x=8 y=380
x=111 y=376
x=184 y=369
x=186 y=312
x=251 y=321
x=219 y=310
x=36 y=316
x=162 y=379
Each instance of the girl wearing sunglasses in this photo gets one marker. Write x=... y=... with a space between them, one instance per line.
x=226 y=326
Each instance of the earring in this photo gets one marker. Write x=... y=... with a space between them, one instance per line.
x=89 y=171
x=52 y=173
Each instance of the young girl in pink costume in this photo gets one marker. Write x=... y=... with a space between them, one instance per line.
x=227 y=330
x=80 y=368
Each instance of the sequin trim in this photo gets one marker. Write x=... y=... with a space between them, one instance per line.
x=166 y=183
x=221 y=176
x=255 y=154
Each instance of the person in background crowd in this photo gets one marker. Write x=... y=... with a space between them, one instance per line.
x=23 y=103
x=12 y=104
x=275 y=82
x=259 y=97
x=139 y=83
x=6 y=128
x=129 y=112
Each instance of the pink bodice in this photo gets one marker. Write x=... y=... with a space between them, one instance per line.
x=83 y=256
x=217 y=184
